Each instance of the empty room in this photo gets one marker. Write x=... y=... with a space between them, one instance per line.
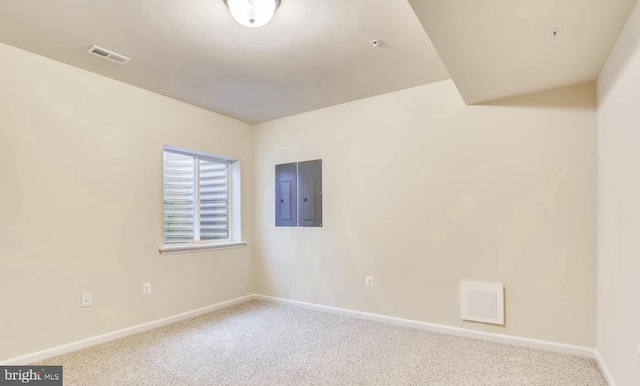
x=305 y=192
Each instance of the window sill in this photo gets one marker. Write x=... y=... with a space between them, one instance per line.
x=192 y=248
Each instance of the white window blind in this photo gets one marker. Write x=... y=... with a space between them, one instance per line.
x=196 y=198
x=214 y=200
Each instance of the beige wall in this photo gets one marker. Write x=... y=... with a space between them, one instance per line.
x=81 y=205
x=619 y=207
x=422 y=192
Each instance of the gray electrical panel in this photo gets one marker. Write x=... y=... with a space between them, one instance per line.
x=286 y=188
x=310 y=193
x=299 y=194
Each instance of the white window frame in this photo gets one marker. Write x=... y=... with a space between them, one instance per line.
x=233 y=181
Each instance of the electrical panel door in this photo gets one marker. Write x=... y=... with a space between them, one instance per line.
x=310 y=193
x=286 y=188
x=299 y=194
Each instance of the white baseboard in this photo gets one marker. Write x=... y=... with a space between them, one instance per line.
x=486 y=336
x=604 y=369
x=563 y=348
x=80 y=344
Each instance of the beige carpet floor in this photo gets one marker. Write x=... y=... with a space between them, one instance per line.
x=260 y=343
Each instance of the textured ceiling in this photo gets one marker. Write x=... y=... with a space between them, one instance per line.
x=316 y=54
x=499 y=48
x=313 y=54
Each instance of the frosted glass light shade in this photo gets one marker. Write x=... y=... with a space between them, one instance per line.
x=252 y=13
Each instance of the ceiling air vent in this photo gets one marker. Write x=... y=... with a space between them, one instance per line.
x=108 y=54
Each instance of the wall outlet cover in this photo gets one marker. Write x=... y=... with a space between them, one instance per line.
x=86 y=299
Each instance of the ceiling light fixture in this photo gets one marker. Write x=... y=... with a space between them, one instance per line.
x=252 y=13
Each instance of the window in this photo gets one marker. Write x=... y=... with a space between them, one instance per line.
x=201 y=202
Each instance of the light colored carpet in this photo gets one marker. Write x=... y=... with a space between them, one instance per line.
x=260 y=343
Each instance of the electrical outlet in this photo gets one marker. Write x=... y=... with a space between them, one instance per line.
x=85 y=299
x=146 y=288
x=638 y=355
x=368 y=281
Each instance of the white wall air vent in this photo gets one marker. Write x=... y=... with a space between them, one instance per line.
x=482 y=302
x=99 y=51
